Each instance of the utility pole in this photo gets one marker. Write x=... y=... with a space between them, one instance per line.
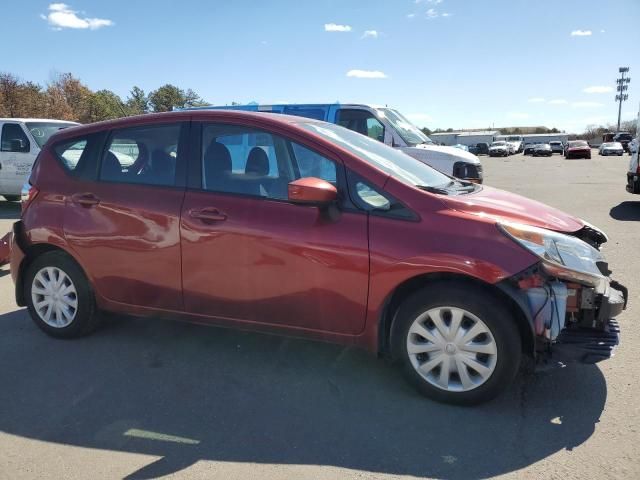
x=623 y=86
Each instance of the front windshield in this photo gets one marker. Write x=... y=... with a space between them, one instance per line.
x=392 y=161
x=579 y=143
x=498 y=144
x=407 y=130
x=41 y=131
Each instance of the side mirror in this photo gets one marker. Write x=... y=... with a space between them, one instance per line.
x=312 y=191
x=17 y=145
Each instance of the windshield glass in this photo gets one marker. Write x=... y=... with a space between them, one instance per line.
x=498 y=144
x=579 y=143
x=399 y=165
x=407 y=130
x=41 y=131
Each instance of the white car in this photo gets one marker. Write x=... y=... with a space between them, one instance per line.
x=611 y=148
x=500 y=149
x=21 y=141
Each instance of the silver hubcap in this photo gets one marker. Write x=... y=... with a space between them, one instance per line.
x=54 y=297
x=452 y=349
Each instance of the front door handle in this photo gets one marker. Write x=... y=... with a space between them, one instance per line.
x=208 y=215
x=85 y=199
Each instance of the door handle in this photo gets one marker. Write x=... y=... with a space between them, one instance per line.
x=85 y=199
x=208 y=215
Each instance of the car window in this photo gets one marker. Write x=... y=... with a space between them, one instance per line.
x=145 y=155
x=252 y=162
x=361 y=121
x=14 y=139
x=71 y=152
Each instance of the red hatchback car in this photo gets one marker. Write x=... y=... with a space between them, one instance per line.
x=577 y=149
x=295 y=226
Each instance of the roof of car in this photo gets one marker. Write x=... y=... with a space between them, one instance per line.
x=184 y=115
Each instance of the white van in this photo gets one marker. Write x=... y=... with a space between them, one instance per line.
x=20 y=142
x=384 y=124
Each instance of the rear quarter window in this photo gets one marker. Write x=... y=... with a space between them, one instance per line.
x=71 y=152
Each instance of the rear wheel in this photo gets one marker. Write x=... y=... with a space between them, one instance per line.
x=456 y=344
x=59 y=298
x=12 y=198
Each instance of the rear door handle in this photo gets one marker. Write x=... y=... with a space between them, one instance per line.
x=85 y=199
x=208 y=215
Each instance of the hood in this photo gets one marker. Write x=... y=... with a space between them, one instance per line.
x=510 y=207
x=499 y=147
x=436 y=152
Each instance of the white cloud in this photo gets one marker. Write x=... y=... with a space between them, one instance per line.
x=411 y=15
x=536 y=100
x=558 y=101
x=581 y=33
x=431 y=13
x=334 y=27
x=601 y=31
x=370 y=34
x=598 y=89
x=61 y=16
x=434 y=2
x=586 y=104
x=447 y=14
x=366 y=74
x=518 y=115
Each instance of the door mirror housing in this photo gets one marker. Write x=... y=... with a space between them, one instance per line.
x=312 y=191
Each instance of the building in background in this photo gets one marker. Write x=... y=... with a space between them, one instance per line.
x=464 y=138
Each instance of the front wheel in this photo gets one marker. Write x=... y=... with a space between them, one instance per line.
x=456 y=344
x=59 y=298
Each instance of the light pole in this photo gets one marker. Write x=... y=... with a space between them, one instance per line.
x=623 y=86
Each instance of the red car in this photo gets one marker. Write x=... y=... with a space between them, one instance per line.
x=577 y=149
x=290 y=225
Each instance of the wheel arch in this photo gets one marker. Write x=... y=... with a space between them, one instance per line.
x=501 y=292
x=30 y=254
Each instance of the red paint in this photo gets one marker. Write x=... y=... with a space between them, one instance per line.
x=268 y=265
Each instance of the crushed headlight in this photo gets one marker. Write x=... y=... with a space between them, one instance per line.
x=563 y=256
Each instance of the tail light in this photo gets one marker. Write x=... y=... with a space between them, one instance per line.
x=29 y=193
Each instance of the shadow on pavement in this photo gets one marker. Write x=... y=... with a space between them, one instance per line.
x=189 y=393
x=626 y=211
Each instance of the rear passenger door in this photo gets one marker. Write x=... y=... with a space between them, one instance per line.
x=123 y=219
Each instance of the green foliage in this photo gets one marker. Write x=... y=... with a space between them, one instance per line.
x=104 y=105
x=137 y=103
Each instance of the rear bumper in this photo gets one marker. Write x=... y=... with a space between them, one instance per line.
x=5 y=248
x=17 y=257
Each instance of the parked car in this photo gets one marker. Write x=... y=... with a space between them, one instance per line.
x=613 y=148
x=384 y=124
x=500 y=149
x=529 y=148
x=577 y=149
x=21 y=141
x=295 y=226
x=633 y=175
x=623 y=138
x=461 y=147
x=483 y=148
x=542 y=150
x=557 y=147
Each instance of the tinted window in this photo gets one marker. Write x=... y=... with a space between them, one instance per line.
x=256 y=163
x=71 y=152
x=146 y=155
x=361 y=121
x=14 y=139
x=317 y=113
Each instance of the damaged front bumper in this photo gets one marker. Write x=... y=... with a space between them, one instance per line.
x=571 y=322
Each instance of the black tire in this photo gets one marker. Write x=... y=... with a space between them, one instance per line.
x=12 y=198
x=490 y=310
x=86 y=318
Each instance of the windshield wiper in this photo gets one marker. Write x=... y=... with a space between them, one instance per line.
x=430 y=189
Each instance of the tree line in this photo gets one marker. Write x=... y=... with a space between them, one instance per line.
x=65 y=97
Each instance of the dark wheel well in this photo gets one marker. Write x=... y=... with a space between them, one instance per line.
x=405 y=289
x=30 y=255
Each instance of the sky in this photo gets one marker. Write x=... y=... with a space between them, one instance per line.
x=443 y=63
